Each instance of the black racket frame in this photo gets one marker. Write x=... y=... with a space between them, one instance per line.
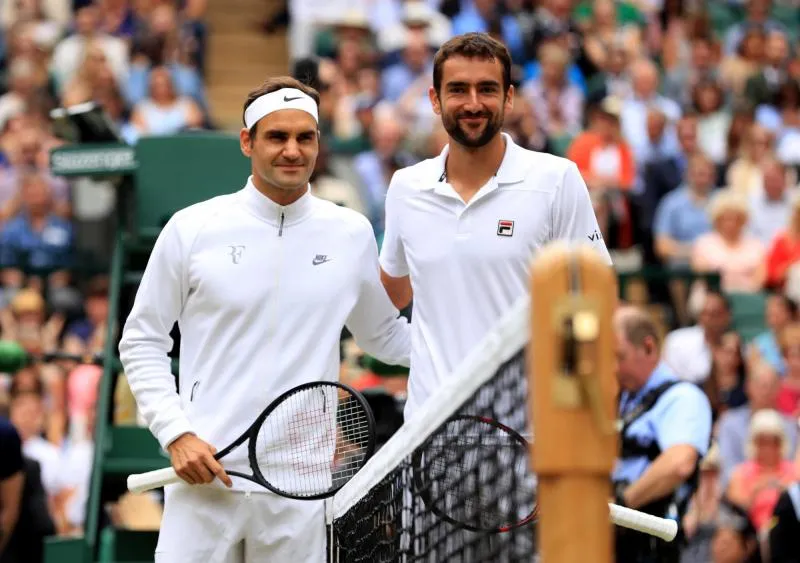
x=251 y=436
x=418 y=471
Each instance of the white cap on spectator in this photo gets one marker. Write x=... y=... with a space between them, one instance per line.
x=728 y=200
x=417 y=13
x=353 y=18
x=612 y=105
x=766 y=422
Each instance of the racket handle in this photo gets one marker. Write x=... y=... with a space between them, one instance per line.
x=642 y=522
x=142 y=482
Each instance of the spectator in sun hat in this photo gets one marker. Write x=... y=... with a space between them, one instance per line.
x=757 y=483
x=26 y=322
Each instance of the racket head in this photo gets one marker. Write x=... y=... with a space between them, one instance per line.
x=451 y=473
x=311 y=440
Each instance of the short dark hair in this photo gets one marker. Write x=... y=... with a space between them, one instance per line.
x=14 y=390
x=716 y=294
x=472 y=46
x=273 y=85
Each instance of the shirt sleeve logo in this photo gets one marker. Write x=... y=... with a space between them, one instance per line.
x=505 y=228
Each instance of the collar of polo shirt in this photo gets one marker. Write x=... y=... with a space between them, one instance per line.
x=513 y=168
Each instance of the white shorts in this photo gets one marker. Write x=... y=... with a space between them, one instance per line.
x=209 y=524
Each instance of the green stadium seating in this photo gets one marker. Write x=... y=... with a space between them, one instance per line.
x=748 y=314
x=170 y=173
x=126 y=546
x=175 y=172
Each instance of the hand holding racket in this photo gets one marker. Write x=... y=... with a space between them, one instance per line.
x=306 y=444
x=193 y=460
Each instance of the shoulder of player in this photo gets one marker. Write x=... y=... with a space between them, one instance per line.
x=199 y=212
x=343 y=217
x=189 y=221
x=540 y=171
x=414 y=178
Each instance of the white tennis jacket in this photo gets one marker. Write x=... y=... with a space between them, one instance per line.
x=261 y=293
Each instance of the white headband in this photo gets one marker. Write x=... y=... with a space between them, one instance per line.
x=286 y=98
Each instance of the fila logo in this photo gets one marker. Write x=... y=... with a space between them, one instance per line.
x=236 y=253
x=595 y=236
x=505 y=228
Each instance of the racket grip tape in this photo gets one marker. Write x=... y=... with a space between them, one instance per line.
x=642 y=522
x=141 y=482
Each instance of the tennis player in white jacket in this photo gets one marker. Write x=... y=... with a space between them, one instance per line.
x=261 y=282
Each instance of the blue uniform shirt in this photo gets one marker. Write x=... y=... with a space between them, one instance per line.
x=21 y=246
x=682 y=415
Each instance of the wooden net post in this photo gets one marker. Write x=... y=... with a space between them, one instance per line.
x=573 y=388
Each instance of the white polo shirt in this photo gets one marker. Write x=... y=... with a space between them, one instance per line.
x=469 y=262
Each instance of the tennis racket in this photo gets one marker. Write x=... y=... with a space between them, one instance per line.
x=305 y=445
x=475 y=475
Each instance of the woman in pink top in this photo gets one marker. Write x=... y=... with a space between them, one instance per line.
x=728 y=249
x=788 y=400
x=756 y=484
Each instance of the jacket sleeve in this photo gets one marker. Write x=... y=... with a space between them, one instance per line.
x=392 y=255
x=374 y=321
x=146 y=338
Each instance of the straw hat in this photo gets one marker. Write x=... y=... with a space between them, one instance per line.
x=27 y=301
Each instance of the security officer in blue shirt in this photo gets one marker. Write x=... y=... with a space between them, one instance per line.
x=665 y=432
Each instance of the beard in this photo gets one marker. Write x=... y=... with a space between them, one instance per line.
x=464 y=137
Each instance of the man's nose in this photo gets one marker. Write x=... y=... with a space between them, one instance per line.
x=291 y=150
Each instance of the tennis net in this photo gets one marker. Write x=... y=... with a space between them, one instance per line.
x=454 y=483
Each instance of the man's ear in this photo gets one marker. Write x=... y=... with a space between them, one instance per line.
x=509 y=104
x=245 y=142
x=434 y=98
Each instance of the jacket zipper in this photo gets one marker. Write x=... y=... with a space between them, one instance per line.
x=280 y=227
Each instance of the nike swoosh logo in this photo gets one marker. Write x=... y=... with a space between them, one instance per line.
x=316 y=262
x=285 y=99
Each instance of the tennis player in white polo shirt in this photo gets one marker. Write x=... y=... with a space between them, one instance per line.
x=261 y=282
x=461 y=228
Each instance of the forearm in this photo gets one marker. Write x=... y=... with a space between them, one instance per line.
x=667 y=472
x=398 y=289
x=374 y=321
x=379 y=330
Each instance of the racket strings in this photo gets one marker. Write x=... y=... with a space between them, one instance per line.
x=460 y=472
x=314 y=441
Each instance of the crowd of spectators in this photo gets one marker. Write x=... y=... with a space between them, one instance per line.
x=143 y=62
